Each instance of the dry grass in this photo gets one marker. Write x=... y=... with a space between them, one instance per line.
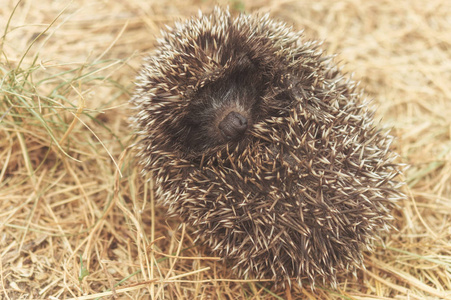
x=72 y=227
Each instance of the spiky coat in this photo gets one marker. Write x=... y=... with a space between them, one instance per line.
x=312 y=182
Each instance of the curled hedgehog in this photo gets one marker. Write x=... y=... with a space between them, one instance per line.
x=261 y=144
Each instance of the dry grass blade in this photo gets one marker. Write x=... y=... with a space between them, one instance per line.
x=72 y=227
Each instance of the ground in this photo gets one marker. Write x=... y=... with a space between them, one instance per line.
x=77 y=220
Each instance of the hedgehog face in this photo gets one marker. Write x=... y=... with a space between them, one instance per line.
x=223 y=110
x=264 y=146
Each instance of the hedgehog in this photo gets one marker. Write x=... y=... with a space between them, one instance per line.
x=264 y=147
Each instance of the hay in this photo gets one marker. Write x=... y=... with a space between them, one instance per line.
x=78 y=221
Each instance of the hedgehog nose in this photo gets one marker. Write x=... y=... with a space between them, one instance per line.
x=233 y=126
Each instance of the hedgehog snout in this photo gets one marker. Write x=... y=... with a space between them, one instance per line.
x=233 y=126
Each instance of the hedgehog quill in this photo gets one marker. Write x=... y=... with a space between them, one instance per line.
x=261 y=144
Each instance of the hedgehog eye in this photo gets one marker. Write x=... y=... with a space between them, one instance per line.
x=233 y=126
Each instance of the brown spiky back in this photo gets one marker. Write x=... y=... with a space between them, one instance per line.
x=308 y=187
